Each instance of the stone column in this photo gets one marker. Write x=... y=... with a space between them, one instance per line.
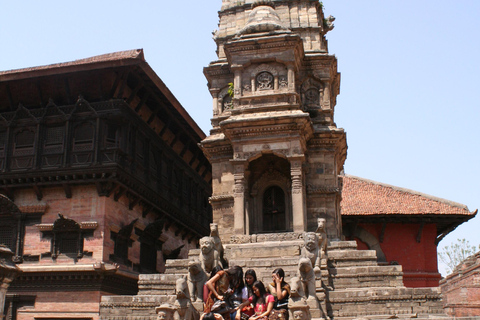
x=239 y=198
x=298 y=201
x=216 y=109
x=291 y=77
x=8 y=272
x=237 y=83
x=325 y=103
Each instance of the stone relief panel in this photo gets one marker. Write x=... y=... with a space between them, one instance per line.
x=225 y=102
x=263 y=77
x=311 y=93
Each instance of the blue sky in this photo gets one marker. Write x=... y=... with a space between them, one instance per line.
x=410 y=71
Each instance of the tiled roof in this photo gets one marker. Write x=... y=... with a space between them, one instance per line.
x=361 y=197
x=136 y=54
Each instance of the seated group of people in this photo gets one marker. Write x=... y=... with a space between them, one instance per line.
x=231 y=294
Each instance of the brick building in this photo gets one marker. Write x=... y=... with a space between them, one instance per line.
x=103 y=166
x=401 y=225
x=461 y=289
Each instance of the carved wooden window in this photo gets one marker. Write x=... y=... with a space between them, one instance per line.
x=54 y=140
x=8 y=234
x=264 y=81
x=24 y=143
x=83 y=137
x=67 y=238
x=274 y=210
x=113 y=136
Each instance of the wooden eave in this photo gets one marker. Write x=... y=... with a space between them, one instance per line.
x=103 y=78
x=445 y=223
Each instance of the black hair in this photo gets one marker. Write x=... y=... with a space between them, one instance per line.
x=235 y=275
x=281 y=274
x=209 y=316
x=250 y=272
x=261 y=288
x=215 y=271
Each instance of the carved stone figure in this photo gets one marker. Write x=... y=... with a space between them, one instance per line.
x=217 y=243
x=209 y=257
x=297 y=298
x=322 y=237
x=328 y=24
x=311 y=251
x=196 y=279
x=184 y=309
x=165 y=312
x=307 y=276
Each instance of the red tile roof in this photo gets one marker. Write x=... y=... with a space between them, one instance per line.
x=365 y=197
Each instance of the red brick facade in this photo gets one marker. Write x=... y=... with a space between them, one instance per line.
x=461 y=289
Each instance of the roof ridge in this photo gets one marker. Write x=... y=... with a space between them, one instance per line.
x=119 y=55
x=410 y=191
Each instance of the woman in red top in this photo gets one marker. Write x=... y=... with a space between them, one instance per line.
x=261 y=300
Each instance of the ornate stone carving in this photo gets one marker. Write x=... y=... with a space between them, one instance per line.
x=165 y=312
x=322 y=237
x=283 y=82
x=264 y=81
x=196 y=279
x=184 y=309
x=307 y=275
x=217 y=242
x=209 y=257
x=309 y=264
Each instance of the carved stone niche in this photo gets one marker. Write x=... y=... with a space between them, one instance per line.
x=260 y=78
x=312 y=95
x=224 y=101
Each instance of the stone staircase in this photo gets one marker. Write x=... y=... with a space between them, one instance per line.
x=353 y=286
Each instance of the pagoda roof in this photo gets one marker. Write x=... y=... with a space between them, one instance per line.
x=95 y=78
x=363 y=197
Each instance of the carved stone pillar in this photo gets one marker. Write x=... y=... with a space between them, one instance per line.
x=239 y=198
x=8 y=272
x=325 y=103
x=298 y=203
x=216 y=109
x=291 y=77
x=237 y=84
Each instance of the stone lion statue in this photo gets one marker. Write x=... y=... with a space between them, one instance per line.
x=217 y=243
x=307 y=276
x=322 y=237
x=209 y=257
x=296 y=301
x=184 y=309
x=312 y=252
x=196 y=279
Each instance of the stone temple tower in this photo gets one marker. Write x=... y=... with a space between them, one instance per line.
x=275 y=149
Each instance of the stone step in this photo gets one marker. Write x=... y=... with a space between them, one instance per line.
x=385 y=303
x=157 y=284
x=347 y=258
x=265 y=250
x=342 y=245
x=367 y=276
